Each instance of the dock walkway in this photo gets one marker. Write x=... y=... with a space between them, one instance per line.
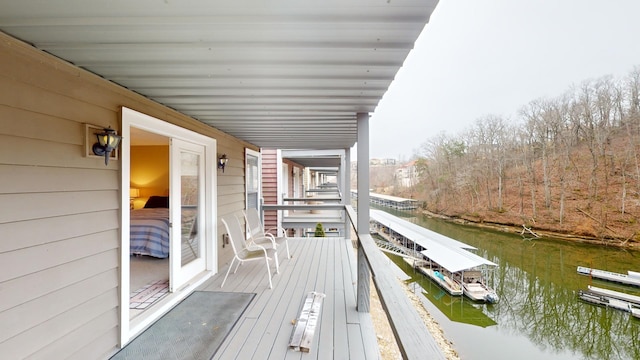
x=615 y=295
x=633 y=278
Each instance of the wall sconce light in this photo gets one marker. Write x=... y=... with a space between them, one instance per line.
x=108 y=141
x=133 y=193
x=222 y=161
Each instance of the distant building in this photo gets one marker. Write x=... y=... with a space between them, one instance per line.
x=407 y=174
x=382 y=162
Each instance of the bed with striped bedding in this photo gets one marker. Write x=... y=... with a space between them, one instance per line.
x=149 y=234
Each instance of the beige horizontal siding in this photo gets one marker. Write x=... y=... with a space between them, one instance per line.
x=232 y=199
x=60 y=240
x=38 y=179
x=86 y=342
x=31 y=313
x=231 y=192
x=49 y=332
x=42 y=205
x=59 y=219
x=27 y=124
x=34 y=152
x=23 y=234
x=29 y=287
x=21 y=262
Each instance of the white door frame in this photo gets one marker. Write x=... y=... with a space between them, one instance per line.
x=257 y=154
x=284 y=186
x=132 y=118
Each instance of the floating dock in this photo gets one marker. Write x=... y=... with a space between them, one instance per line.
x=633 y=278
x=613 y=299
x=615 y=295
x=594 y=298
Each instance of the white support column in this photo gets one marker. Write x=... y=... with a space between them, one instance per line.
x=364 y=275
x=345 y=165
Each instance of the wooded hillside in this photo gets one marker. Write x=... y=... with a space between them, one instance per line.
x=569 y=165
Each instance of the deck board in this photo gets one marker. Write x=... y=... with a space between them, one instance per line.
x=264 y=330
x=275 y=328
x=356 y=348
x=324 y=332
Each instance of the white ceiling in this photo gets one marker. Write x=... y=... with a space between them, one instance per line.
x=287 y=74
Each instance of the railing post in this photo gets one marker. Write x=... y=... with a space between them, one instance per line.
x=364 y=274
x=346 y=189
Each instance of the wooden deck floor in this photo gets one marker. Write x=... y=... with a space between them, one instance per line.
x=325 y=265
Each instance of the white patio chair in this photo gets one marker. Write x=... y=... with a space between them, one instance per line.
x=242 y=250
x=258 y=236
x=193 y=237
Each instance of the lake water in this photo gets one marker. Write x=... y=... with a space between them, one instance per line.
x=539 y=315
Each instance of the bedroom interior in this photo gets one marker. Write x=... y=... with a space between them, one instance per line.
x=149 y=175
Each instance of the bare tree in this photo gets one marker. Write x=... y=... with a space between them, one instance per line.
x=536 y=161
x=632 y=123
x=540 y=138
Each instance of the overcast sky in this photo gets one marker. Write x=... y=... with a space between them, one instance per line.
x=481 y=57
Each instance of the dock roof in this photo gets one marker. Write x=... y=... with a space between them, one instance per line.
x=386 y=197
x=451 y=254
x=420 y=235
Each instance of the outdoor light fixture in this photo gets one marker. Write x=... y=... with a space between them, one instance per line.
x=222 y=161
x=108 y=141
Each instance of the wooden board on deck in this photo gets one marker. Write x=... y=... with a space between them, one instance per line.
x=305 y=327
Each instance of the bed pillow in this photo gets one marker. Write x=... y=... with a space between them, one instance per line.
x=157 y=202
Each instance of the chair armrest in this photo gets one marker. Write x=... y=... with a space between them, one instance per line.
x=276 y=229
x=251 y=247
x=269 y=237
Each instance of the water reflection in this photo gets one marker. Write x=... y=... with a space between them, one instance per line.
x=456 y=308
x=537 y=283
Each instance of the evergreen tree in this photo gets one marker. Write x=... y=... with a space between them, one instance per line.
x=319 y=231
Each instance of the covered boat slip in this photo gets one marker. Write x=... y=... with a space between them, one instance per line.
x=441 y=251
x=414 y=233
x=445 y=281
x=453 y=259
x=389 y=201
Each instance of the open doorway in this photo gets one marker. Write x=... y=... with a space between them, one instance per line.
x=170 y=171
x=149 y=213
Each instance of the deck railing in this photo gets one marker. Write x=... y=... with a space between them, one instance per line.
x=411 y=334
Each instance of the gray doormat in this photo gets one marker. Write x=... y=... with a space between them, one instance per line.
x=194 y=329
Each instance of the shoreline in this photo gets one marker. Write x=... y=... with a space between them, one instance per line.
x=509 y=228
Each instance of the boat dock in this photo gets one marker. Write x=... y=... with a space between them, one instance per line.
x=613 y=299
x=633 y=278
x=443 y=259
x=615 y=295
x=594 y=298
x=610 y=298
x=393 y=202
